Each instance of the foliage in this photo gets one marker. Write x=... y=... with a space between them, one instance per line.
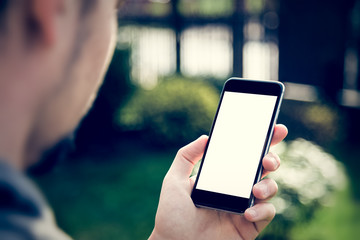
x=207 y=8
x=254 y=6
x=95 y=199
x=307 y=179
x=340 y=221
x=176 y=111
x=318 y=122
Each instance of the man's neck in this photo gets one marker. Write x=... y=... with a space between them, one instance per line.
x=15 y=126
x=11 y=143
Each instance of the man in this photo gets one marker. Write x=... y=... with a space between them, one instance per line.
x=53 y=56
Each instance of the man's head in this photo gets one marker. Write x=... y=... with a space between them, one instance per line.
x=53 y=56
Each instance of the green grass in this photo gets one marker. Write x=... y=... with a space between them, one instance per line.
x=340 y=221
x=116 y=196
x=107 y=199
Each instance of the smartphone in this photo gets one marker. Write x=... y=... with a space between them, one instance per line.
x=239 y=139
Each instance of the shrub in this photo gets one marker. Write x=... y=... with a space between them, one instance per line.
x=308 y=179
x=176 y=111
x=319 y=122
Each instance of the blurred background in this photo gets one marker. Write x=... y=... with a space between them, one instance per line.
x=161 y=92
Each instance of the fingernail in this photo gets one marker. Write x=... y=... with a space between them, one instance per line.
x=264 y=189
x=252 y=213
x=275 y=163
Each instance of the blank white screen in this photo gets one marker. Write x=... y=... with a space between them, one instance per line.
x=236 y=144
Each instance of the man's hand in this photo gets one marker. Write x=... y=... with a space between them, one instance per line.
x=178 y=218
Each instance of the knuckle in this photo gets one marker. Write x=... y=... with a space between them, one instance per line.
x=275 y=190
x=273 y=211
x=273 y=186
x=180 y=152
x=277 y=158
x=165 y=179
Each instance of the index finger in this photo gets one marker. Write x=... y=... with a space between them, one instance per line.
x=280 y=132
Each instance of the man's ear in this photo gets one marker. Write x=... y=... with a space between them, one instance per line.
x=45 y=13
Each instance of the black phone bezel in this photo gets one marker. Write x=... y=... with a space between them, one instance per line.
x=235 y=204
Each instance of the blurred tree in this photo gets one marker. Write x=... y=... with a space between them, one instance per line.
x=319 y=122
x=183 y=14
x=206 y=8
x=308 y=180
x=175 y=112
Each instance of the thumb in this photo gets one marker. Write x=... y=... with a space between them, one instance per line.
x=187 y=157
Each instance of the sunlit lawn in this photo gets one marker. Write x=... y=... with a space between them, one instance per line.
x=338 y=221
x=102 y=197
x=341 y=219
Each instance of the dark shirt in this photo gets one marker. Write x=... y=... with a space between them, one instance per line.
x=24 y=214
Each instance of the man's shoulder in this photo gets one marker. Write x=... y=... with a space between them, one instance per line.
x=18 y=193
x=24 y=214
